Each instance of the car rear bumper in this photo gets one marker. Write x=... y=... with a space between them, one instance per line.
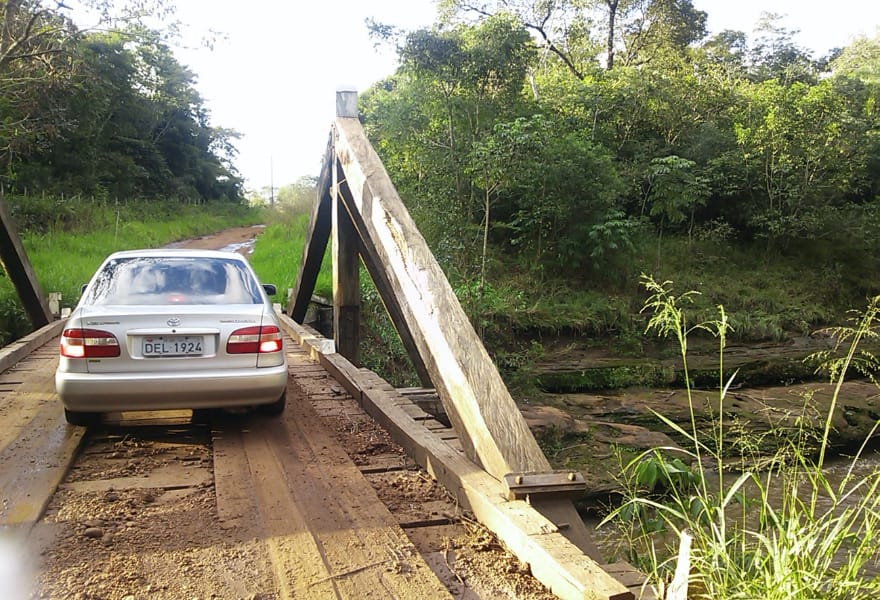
x=107 y=392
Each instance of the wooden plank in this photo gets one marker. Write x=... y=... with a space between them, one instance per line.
x=32 y=466
x=316 y=242
x=346 y=278
x=422 y=446
x=20 y=349
x=491 y=429
x=553 y=559
x=20 y=272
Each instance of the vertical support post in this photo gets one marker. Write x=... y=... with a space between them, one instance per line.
x=346 y=266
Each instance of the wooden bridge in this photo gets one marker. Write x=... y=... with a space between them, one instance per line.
x=488 y=460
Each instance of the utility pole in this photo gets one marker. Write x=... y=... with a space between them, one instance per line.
x=271 y=181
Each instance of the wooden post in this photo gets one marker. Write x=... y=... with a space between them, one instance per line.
x=317 y=238
x=19 y=269
x=346 y=278
x=386 y=291
x=347 y=103
x=490 y=426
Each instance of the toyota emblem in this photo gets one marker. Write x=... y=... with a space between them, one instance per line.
x=173 y=322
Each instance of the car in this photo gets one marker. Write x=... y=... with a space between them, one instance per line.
x=171 y=329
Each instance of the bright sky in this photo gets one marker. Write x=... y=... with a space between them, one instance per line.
x=275 y=78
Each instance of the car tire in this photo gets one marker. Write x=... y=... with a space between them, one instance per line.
x=81 y=418
x=275 y=408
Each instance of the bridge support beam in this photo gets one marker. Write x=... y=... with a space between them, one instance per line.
x=445 y=349
x=346 y=277
x=21 y=273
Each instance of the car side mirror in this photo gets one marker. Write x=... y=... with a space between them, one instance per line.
x=270 y=288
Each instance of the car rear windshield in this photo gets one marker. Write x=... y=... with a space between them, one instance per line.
x=173 y=280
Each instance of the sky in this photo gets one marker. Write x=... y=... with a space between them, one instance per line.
x=275 y=75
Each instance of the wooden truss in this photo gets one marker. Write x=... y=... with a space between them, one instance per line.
x=358 y=204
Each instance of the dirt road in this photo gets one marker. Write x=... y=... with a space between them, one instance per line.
x=316 y=504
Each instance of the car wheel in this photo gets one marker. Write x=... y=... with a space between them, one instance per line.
x=276 y=408
x=81 y=418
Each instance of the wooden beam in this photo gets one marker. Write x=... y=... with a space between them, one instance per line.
x=18 y=350
x=371 y=261
x=315 y=245
x=19 y=269
x=490 y=427
x=534 y=539
x=346 y=278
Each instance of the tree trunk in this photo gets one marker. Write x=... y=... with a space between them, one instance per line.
x=612 y=17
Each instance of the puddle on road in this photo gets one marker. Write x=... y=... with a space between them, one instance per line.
x=247 y=247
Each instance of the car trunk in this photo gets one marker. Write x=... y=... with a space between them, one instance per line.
x=171 y=338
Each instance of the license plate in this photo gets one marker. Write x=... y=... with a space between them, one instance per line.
x=172 y=345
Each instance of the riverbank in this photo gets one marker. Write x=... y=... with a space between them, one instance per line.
x=595 y=411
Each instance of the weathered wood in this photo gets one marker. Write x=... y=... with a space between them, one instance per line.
x=489 y=425
x=346 y=103
x=316 y=242
x=36 y=445
x=567 y=484
x=19 y=269
x=346 y=278
x=389 y=300
x=552 y=558
x=21 y=348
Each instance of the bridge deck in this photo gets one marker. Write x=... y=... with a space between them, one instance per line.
x=322 y=531
x=284 y=490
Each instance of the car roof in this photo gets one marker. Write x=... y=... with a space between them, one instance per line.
x=177 y=253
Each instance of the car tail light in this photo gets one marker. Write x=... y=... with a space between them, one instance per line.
x=89 y=343
x=254 y=340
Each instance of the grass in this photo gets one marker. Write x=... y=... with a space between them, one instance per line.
x=278 y=252
x=785 y=531
x=67 y=244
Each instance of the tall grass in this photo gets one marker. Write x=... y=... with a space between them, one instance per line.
x=278 y=252
x=782 y=530
x=66 y=240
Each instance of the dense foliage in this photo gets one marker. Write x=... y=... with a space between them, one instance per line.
x=109 y=113
x=583 y=136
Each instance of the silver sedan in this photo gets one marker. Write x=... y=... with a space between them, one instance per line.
x=171 y=329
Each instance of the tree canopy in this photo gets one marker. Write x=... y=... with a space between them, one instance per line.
x=560 y=132
x=107 y=113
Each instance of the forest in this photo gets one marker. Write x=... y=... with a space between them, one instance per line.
x=552 y=152
x=107 y=113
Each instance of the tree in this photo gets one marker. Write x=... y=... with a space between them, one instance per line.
x=807 y=148
x=775 y=55
x=861 y=60
x=550 y=189
x=34 y=62
x=451 y=87
x=130 y=123
x=566 y=28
